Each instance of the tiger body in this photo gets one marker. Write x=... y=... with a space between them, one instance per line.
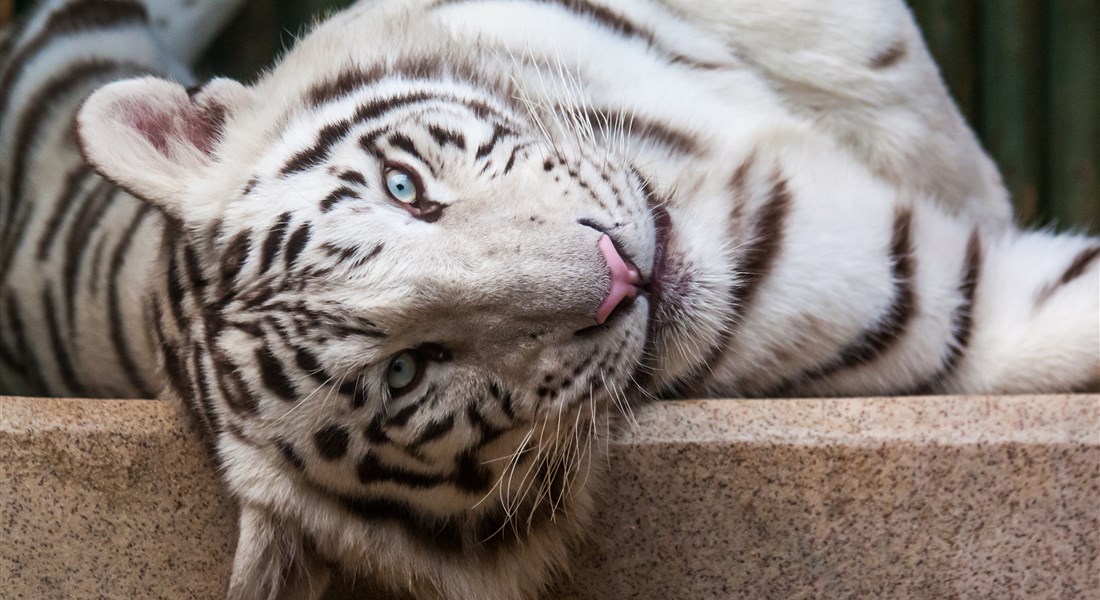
x=782 y=222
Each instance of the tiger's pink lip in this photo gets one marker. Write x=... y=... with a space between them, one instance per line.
x=626 y=282
x=655 y=293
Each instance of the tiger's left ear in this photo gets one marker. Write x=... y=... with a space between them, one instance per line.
x=154 y=137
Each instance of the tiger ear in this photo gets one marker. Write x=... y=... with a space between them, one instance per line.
x=274 y=562
x=154 y=137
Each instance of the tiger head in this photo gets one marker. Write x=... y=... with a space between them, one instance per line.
x=402 y=308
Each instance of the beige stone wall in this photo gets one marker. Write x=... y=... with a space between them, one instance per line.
x=849 y=498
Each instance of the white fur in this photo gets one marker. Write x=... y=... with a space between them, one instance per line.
x=790 y=95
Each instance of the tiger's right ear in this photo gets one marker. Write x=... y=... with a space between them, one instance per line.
x=154 y=137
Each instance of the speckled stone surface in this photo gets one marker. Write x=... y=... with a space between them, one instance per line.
x=853 y=498
x=108 y=499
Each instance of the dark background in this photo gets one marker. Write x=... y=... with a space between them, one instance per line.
x=1026 y=74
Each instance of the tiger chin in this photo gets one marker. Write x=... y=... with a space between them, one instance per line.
x=409 y=282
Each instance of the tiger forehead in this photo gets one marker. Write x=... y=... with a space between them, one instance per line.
x=412 y=69
x=354 y=110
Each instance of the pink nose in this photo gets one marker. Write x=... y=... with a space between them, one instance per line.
x=624 y=279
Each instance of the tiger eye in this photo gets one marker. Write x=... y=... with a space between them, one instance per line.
x=402 y=371
x=401 y=186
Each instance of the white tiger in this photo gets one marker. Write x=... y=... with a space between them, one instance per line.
x=408 y=282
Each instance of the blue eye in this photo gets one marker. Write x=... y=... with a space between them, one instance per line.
x=401 y=186
x=402 y=371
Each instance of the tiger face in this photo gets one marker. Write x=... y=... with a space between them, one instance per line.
x=405 y=313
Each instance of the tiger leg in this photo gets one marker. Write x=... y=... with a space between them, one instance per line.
x=1036 y=318
x=846 y=285
x=862 y=72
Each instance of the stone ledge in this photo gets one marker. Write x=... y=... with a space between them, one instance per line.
x=940 y=497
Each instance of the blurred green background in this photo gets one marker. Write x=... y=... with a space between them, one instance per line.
x=1026 y=74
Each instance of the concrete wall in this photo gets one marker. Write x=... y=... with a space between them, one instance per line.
x=933 y=498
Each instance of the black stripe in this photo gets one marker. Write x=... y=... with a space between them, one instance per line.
x=61 y=354
x=889 y=327
x=13 y=364
x=343 y=84
x=505 y=400
x=512 y=159
x=201 y=389
x=234 y=257
x=353 y=177
x=175 y=291
x=195 y=275
x=1077 y=267
x=331 y=442
x=40 y=104
x=334 y=133
x=891 y=56
x=962 y=320
x=379 y=106
x=290 y=454
x=317 y=154
x=70 y=18
x=273 y=376
x=761 y=249
x=402 y=417
x=403 y=143
x=374 y=432
x=471 y=476
x=96 y=276
x=411 y=68
x=446 y=136
x=358 y=394
x=489 y=432
x=434 y=430
x=273 y=241
x=610 y=120
x=32 y=369
x=114 y=304
x=308 y=363
x=339 y=252
x=11 y=237
x=340 y=193
x=463 y=535
x=372 y=471
x=65 y=201
x=83 y=226
x=238 y=434
x=362 y=260
x=227 y=377
x=296 y=244
x=617 y=23
x=484 y=149
x=173 y=365
x=1079 y=264
x=434 y=534
x=758 y=258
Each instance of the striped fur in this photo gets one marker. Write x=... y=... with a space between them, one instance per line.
x=235 y=248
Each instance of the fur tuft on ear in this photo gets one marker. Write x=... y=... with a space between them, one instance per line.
x=153 y=137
